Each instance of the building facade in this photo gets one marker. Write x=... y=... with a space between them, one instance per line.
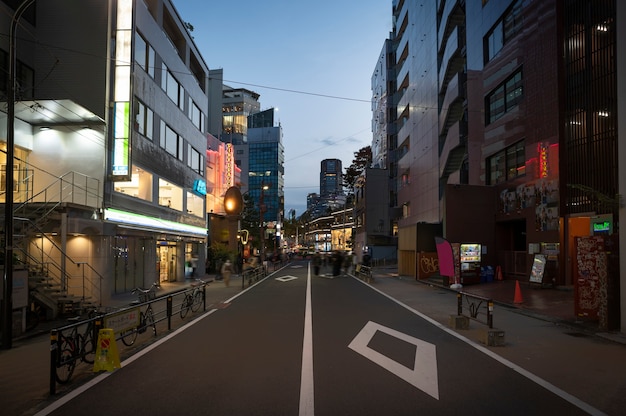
x=507 y=130
x=114 y=116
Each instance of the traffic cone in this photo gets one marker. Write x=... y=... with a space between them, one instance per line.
x=518 y=294
x=498 y=273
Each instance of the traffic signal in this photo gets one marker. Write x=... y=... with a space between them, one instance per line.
x=233 y=201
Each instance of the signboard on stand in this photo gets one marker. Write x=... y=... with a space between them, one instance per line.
x=538 y=269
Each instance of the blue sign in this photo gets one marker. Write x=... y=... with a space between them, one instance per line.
x=199 y=187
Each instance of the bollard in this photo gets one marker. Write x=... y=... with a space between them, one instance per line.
x=54 y=348
x=459 y=303
x=169 y=302
x=490 y=313
x=204 y=296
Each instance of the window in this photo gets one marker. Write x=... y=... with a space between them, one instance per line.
x=171 y=142
x=195 y=160
x=195 y=205
x=172 y=88
x=140 y=185
x=24 y=75
x=507 y=164
x=144 y=120
x=170 y=195
x=196 y=116
x=504 y=30
x=504 y=97
x=144 y=54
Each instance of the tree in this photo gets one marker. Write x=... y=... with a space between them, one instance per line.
x=362 y=160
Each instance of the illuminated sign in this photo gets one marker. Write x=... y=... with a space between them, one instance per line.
x=120 y=163
x=229 y=165
x=199 y=187
x=153 y=223
x=602 y=227
x=542 y=149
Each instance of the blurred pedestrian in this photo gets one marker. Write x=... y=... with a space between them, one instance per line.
x=317 y=262
x=227 y=270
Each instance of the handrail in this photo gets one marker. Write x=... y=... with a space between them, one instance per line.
x=62 y=253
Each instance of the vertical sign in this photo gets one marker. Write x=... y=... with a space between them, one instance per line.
x=120 y=163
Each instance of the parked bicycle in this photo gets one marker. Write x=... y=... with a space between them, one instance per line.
x=146 y=318
x=194 y=298
x=76 y=346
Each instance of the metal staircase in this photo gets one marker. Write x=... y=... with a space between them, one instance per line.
x=36 y=218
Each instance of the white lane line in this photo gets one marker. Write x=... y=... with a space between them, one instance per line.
x=306 y=378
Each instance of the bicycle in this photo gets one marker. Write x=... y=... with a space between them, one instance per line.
x=75 y=346
x=193 y=299
x=146 y=318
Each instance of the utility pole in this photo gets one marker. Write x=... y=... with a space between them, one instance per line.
x=7 y=282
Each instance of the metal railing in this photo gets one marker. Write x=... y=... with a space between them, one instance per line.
x=476 y=306
x=121 y=321
x=252 y=275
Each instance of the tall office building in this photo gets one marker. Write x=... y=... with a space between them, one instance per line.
x=267 y=166
x=111 y=113
x=331 y=178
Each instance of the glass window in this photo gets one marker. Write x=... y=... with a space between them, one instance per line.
x=140 y=185
x=170 y=195
x=195 y=205
x=144 y=120
x=504 y=97
x=171 y=142
x=195 y=160
x=507 y=164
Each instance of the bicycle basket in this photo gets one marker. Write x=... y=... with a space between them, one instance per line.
x=146 y=296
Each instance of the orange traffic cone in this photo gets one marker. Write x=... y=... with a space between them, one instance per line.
x=498 y=273
x=518 y=293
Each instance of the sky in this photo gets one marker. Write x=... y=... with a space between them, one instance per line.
x=310 y=60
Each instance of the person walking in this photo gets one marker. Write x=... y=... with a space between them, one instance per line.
x=317 y=262
x=227 y=270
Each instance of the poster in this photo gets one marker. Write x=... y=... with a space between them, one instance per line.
x=539 y=267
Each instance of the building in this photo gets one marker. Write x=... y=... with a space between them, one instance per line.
x=110 y=145
x=507 y=131
x=266 y=182
x=331 y=178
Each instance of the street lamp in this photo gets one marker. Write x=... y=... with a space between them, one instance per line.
x=262 y=209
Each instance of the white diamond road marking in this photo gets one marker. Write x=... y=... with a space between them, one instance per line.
x=297 y=266
x=286 y=278
x=424 y=373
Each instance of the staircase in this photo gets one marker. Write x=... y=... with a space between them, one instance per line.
x=35 y=219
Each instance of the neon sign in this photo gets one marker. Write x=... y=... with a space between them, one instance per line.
x=542 y=150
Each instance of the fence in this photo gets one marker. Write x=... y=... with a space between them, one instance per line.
x=76 y=343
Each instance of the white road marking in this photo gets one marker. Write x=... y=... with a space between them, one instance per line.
x=286 y=278
x=306 y=378
x=423 y=375
x=532 y=377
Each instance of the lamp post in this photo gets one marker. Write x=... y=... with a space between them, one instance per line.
x=262 y=209
x=7 y=300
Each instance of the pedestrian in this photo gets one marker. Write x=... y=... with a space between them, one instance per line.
x=337 y=262
x=317 y=262
x=227 y=269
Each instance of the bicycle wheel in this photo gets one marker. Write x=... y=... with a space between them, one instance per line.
x=88 y=345
x=149 y=321
x=129 y=336
x=185 y=306
x=66 y=360
x=197 y=301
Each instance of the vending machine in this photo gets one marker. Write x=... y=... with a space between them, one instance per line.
x=470 y=263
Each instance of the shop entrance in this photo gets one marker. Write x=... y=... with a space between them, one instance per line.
x=512 y=250
x=166 y=255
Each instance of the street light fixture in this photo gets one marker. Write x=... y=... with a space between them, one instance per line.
x=262 y=209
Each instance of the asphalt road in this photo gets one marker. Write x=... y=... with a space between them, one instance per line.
x=300 y=345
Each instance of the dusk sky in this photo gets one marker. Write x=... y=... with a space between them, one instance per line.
x=312 y=61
